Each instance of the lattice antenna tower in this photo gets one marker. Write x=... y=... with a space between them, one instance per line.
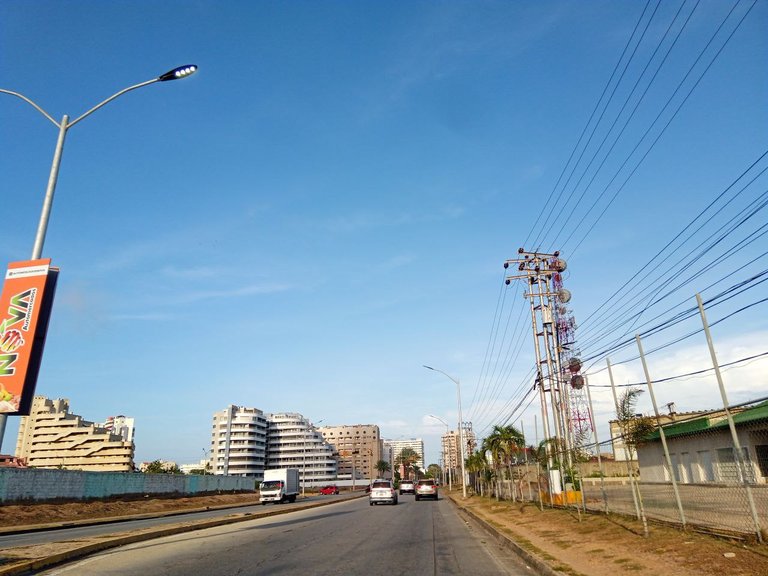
x=579 y=421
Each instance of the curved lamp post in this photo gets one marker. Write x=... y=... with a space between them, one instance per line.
x=447 y=432
x=304 y=465
x=461 y=429
x=64 y=126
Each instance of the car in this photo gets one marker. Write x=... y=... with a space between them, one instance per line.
x=331 y=489
x=426 y=488
x=382 y=492
x=407 y=487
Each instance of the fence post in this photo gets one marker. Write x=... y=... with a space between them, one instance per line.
x=597 y=445
x=731 y=425
x=637 y=497
x=661 y=432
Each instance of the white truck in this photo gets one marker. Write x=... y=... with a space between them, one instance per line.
x=279 y=485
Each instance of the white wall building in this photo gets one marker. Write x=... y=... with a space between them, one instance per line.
x=293 y=442
x=239 y=442
x=396 y=447
x=120 y=426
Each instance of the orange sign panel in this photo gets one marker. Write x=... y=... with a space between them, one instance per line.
x=25 y=308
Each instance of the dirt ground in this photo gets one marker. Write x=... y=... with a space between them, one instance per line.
x=586 y=545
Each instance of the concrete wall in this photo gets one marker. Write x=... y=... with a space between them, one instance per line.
x=44 y=484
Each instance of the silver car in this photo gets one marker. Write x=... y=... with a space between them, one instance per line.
x=382 y=492
x=426 y=488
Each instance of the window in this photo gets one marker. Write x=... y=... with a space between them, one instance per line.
x=762 y=458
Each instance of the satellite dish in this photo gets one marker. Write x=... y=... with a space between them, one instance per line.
x=559 y=265
x=564 y=295
x=574 y=365
x=577 y=381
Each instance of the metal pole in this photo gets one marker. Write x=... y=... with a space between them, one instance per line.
x=731 y=424
x=461 y=428
x=661 y=431
x=597 y=446
x=42 y=226
x=63 y=126
x=637 y=497
x=560 y=442
x=461 y=438
x=543 y=400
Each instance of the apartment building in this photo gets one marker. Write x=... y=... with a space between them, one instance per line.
x=245 y=442
x=239 y=442
x=293 y=442
x=359 y=449
x=120 y=426
x=395 y=448
x=52 y=437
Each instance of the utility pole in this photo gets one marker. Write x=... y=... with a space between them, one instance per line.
x=541 y=271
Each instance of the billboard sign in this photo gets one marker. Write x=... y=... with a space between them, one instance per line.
x=25 y=308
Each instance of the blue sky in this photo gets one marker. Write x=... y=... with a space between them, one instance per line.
x=327 y=204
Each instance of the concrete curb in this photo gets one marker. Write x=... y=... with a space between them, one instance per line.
x=541 y=567
x=32 y=566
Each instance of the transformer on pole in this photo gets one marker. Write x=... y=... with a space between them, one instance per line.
x=564 y=413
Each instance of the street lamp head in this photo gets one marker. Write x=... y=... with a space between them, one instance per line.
x=178 y=73
x=427 y=367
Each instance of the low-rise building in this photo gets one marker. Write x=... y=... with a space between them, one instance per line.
x=702 y=449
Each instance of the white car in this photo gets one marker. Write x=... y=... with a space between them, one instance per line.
x=382 y=492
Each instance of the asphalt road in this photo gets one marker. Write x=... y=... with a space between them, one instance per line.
x=66 y=532
x=348 y=538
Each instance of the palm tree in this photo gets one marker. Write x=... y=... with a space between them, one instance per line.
x=382 y=466
x=407 y=458
x=634 y=430
x=504 y=444
x=477 y=466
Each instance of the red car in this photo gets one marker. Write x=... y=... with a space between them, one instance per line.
x=329 y=490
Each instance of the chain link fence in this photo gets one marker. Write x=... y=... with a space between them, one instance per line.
x=712 y=476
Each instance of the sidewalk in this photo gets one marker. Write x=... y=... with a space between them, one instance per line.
x=578 y=544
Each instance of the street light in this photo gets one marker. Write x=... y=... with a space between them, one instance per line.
x=304 y=466
x=64 y=126
x=446 y=464
x=461 y=429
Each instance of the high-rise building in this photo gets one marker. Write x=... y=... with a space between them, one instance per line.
x=396 y=447
x=451 y=448
x=51 y=437
x=239 y=442
x=359 y=449
x=293 y=442
x=245 y=442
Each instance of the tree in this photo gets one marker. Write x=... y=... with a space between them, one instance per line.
x=382 y=466
x=634 y=429
x=477 y=467
x=407 y=459
x=160 y=467
x=504 y=444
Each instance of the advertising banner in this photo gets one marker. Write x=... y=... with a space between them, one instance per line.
x=25 y=308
